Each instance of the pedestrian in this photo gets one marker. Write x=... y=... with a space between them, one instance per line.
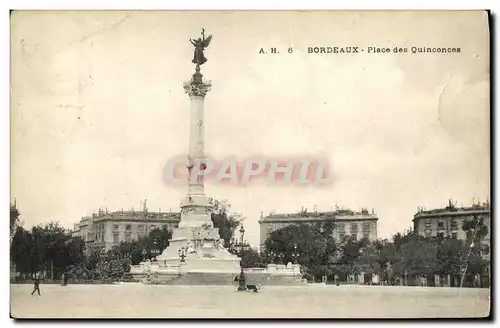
x=36 y=286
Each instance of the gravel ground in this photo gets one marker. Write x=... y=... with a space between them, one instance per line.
x=312 y=301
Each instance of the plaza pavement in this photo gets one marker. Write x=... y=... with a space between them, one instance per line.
x=311 y=301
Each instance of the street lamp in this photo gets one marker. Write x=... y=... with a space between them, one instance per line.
x=155 y=250
x=242 y=234
x=183 y=253
x=295 y=254
x=281 y=258
x=242 y=285
x=270 y=256
x=276 y=257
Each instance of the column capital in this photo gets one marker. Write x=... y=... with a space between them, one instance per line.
x=195 y=88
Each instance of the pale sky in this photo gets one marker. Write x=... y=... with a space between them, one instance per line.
x=98 y=109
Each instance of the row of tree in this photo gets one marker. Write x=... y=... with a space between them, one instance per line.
x=314 y=247
x=45 y=248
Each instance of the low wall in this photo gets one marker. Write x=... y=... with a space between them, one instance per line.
x=272 y=275
x=70 y=282
x=226 y=279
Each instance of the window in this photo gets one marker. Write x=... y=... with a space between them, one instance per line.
x=366 y=235
x=354 y=227
x=440 y=224
x=428 y=228
x=128 y=237
x=354 y=236
x=366 y=226
x=341 y=227
x=116 y=238
x=454 y=224
x=341 y=235
x=128 y=227
x=116 y=227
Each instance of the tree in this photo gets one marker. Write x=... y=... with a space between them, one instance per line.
x=113 y=269
x=250 y=258
x=351 y=251
x=450 y=256
x=314 y=245
x=55 y=249
x=476 y=231
x=14 y=220
x=369 y=259
x=159 y=238
x=418 y=256
x=22 y=251
x=156 y=240
x=47 y=248
x=225 y=221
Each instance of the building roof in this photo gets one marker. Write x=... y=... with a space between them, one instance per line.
x=131 y=216
x=453 y=211
x=347 y=215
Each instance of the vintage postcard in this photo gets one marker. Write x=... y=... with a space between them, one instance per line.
x=250 y=164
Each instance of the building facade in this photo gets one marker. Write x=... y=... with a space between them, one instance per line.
x=104 y=230
x=357 y=225
x=448 y=221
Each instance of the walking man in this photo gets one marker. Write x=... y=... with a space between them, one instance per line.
x=36 y=286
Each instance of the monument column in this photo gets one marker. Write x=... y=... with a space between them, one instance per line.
x=196 y=245
x=197 y=89
x=195 y=207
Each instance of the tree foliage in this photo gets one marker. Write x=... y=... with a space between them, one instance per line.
x=47 y=247
x=15 y=223
x=310 y=245
x=250 y=258
x=418 y=256
x=155 y=242
x=226 y=222
x=406 y=254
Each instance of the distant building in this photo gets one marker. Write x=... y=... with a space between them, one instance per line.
x=448 y=221
x=104 y=230
x=356 y=225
